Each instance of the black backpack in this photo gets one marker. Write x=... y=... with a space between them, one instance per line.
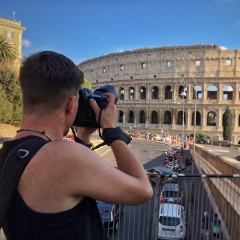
x=11 y=169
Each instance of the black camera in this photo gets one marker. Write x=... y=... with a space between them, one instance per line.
x=85 y=115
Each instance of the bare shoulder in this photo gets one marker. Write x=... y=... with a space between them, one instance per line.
x=67 y=156
x=61 y=151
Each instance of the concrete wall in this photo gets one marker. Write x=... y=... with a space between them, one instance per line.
x=224 y=193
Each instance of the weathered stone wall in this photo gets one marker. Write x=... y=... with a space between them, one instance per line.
x=179 y=68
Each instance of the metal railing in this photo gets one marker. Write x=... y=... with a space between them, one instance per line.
x=199 y=193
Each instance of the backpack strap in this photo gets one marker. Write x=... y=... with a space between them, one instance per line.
x=12 y=169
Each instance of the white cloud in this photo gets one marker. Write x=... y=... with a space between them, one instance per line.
x=26 y=43
x=223 y=48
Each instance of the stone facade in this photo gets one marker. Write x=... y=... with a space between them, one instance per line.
x=12 y=31
x=160 y=89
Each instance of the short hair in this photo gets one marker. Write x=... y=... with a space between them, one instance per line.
x=47 y=79
x=205 y=214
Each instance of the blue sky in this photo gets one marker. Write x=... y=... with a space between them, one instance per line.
x=83 y=29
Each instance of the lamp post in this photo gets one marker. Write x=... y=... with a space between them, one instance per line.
x=183 y=94
x=195 y=111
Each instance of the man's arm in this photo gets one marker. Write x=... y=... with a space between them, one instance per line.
x=126 y=185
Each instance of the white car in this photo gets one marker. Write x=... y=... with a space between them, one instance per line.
x=171 y=221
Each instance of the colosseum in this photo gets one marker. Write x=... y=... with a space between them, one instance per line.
x=174 y=89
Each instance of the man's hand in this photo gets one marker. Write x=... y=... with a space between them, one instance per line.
x=109 y=114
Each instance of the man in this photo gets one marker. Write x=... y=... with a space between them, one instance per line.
x=216 y=227
x=56 y=192
x=205 y=226
x=187 y=163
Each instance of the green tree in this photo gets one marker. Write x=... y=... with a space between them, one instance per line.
x=201 y=135
x=227 y=124
x=10 y=101
x=7 y=52
x=86 y=84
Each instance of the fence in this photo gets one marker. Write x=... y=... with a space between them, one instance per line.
x=183 y=218
x=198 y=193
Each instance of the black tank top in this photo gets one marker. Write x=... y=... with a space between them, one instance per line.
x=82 y=222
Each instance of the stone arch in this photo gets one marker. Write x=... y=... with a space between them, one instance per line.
x=154 y=117
x=130 y=117
x=167 y=117
x=212 y=92
x=143 y=92
x=198 y=118
x=197 y=92
x=211 y=118
x=131 y=93
x=142 y=116
x=121 y=92
x=180 y=118
x=227 y=92
x=155 y=91
x=168 y=92
x=182 y=92
x=120 y=116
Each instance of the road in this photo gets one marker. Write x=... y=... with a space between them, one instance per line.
x=137 y=222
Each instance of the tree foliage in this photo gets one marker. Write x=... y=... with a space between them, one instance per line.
x=86 y=84
x=227 y=124
x=202 y=135
x=10 y=101
x=7 y=52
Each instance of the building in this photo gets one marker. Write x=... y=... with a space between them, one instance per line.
x=12 y=31
x=161 y=88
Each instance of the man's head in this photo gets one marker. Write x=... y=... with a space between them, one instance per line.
x=47 y=79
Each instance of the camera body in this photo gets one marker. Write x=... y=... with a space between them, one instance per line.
x=85 y=115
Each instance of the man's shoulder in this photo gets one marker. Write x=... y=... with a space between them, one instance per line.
x=61 y=150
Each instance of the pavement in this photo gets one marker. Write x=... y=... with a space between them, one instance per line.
x=218 y=150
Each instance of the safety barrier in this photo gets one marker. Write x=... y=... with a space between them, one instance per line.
x=182 y=217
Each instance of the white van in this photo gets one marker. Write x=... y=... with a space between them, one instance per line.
x=171 y=221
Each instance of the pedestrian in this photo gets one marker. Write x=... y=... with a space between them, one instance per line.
x=205 y=226
x=216 y=227
x=187 y=163
x=57 y=192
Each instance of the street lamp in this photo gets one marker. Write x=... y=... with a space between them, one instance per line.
x=195 y=111
x=182 y=95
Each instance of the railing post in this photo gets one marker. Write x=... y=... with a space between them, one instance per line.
x=154 y=234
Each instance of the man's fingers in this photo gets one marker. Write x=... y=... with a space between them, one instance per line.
x=111 y=98
x=94 y=104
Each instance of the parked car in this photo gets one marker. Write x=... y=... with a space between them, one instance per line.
x=164 y=174
x=172 y=223
x=110 y=215
x=237 y=158
x=171 y=193
x=203 y=140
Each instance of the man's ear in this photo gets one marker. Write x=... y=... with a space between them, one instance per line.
x=71 y=104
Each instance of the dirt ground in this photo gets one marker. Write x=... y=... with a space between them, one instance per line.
x=7 y=130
